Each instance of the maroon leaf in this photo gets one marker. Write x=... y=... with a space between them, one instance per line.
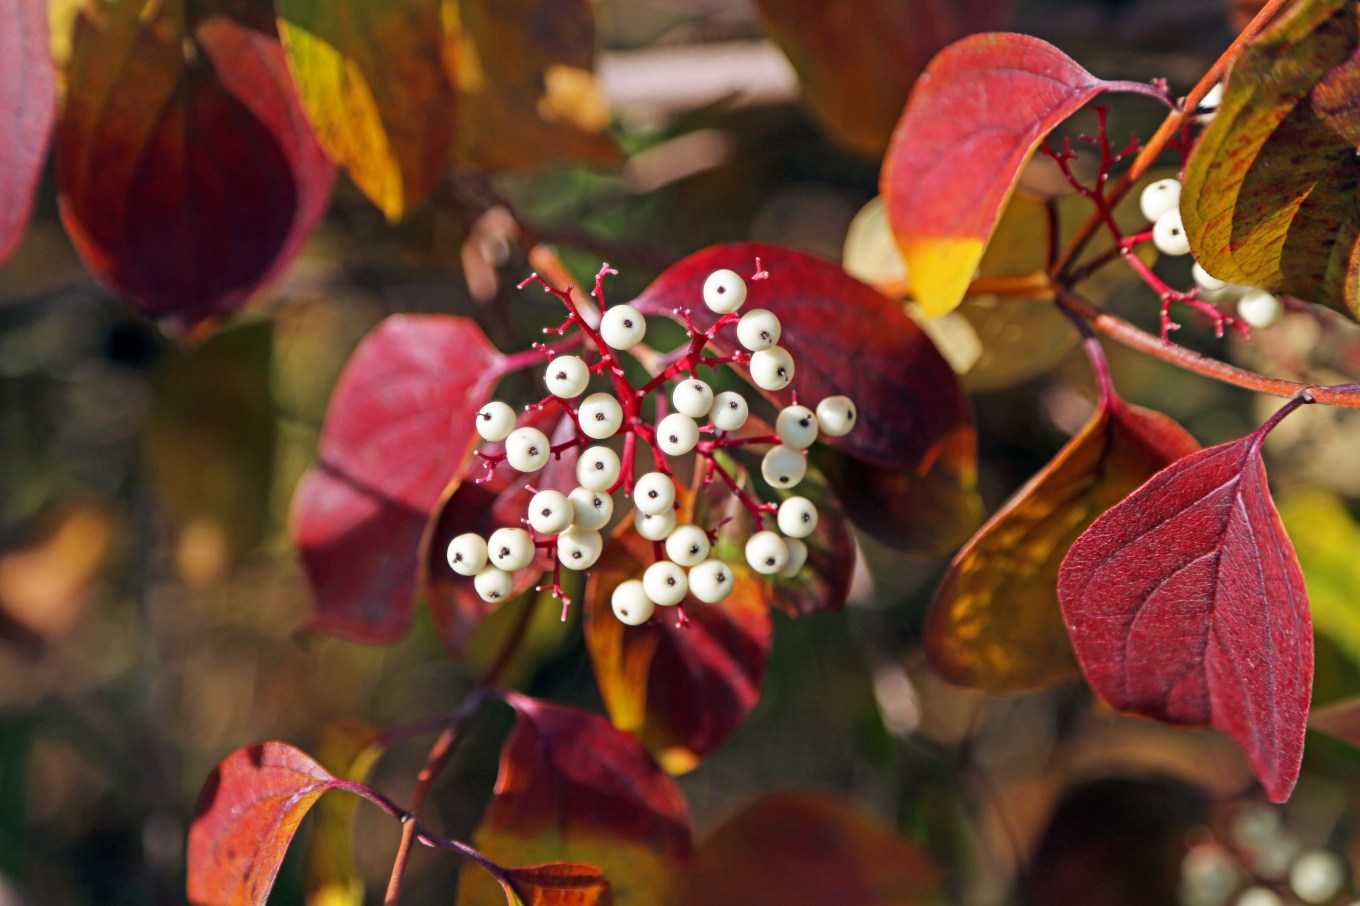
x=249 y=809
x=572 y=787
x=399 y=428
x=974 y=117
x=1186 y=603
x=456 y=607
x=28 y=104
x=846 y=337
x=188 y=172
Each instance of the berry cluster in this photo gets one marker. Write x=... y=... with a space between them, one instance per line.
x=569 y=526
x=1160 y=204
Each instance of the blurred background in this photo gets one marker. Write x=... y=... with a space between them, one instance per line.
x=151 y=602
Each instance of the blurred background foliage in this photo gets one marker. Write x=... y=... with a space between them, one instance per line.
x=151 y=606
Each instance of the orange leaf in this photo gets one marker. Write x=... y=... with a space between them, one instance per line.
x=557 y=884
x=995 y=624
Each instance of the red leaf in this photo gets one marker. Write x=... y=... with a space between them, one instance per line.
x=573 y=787
x=1186 y=603
x=249 y=809
x=188 y=173
x=846 y=337
x=456 y=607
x=399 y=427
x=28 y=104
x=973 y=119
x=558 y=884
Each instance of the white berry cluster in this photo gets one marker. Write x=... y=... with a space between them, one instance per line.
x=570 y=525
x=1160 y=203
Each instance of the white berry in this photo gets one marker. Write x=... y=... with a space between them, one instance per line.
x=510 y=549
x=677 y=434
x=493 y=584
x=693 y=397
x=654 y=493
x=1317 y=875
x=527 y=449
x=729 y=411
x=631 y=604
x=550 y=512
x=783 y=467
x=579 y=548
x=1260 y=309
x=598 y=469
x=797 y=517
x=623 y=327
x=665 y=583
x=724 y=291
x=1210 y=103
x=767 y=553
x=711 y=581
x=495 y=421
x=567 y=376
x=1168 y=234
x=1259 y=896
x=590 y=509
x=654 y=526
x=798 y=553
x=687 y=545
x=796 y=426
x=772 y=369
x=758 y=329
x=600 y=416
x=1159 y=198
x=467 y=554
x=836 y=415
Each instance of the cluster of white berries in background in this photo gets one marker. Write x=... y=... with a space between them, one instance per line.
x=1160 y=204
x=570 y=525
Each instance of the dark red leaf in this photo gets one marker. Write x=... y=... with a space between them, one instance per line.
x=399 y=428
x=28 y=104
x=846 y=337
x=973 y=119
x=249 y=809
x=188 y=172
x=558 y=884
x=456 y=607
x=1186 y=603
x=573 y=787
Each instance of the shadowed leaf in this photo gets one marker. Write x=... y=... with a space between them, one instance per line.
x=799 y=849
x=188 y=173
x=399 y=426
x=527 y=89
x=1185 y=603
x=372 y=78
x=1270 y=190
x=573 y=787
x=995 y=624
x=857 y=61
x=28 y=104
x=682 y=690
x=973 y=119
x=247 y=814
x=558 y=884
x=847 y=338
x=1340 y=720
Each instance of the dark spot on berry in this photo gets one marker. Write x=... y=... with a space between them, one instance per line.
x=765 y=335
x=849 y=416
x=770 y=561
x=721 y=290
x=694 y=548
x=561 y=375
x=596 y=502
x=674 y=439
x=627 y=322
x=804 y=422
x=576 y=555
x=721 y=577
x=505 y=552
x=599 y=416
x=495 y=595
x=671 y=581
x=782 y=372
x=599 y=466
x=533 y=451
x=733 y=405
x=699 y=387
x=807 y=517
x=457 y=558
x=486 y=416
x=546 y=511
x=653 y=494
x=783 y=479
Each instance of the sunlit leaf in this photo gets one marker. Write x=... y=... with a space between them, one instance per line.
x=557 y=884
x=995 y=623
x=349 y=750
x=975 y=116
x=249 y=809
x=845 y=337
x=572 y=787
x=1326 y=538
x=373 y=81
x=799 y=849
x=857 y=61
x=188 y=173
x=28 y=99
x=681 y=689
x=527 y=89
x=1185 y=603
x=1270 y=190
x=399 y=427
